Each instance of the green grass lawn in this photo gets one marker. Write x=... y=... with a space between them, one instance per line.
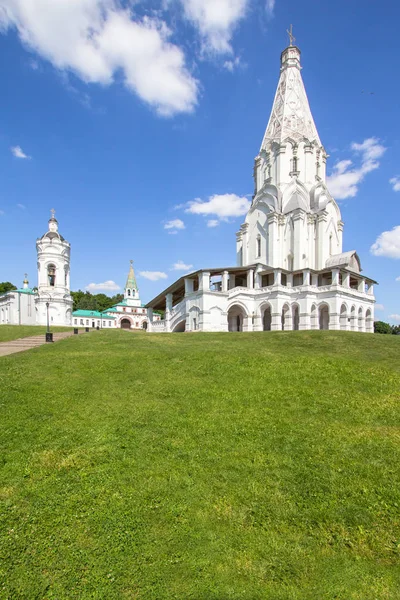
x=14 y=332
x=201 y=466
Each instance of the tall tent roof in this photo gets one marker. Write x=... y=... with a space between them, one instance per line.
x=291 y=114
x=131 y=281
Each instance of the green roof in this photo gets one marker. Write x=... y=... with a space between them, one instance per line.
x=94 y=314
x=24 y=291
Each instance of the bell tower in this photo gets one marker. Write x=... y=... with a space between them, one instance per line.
x=53 y=263
x=131 y=293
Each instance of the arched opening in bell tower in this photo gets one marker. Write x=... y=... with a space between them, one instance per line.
x=51 y=275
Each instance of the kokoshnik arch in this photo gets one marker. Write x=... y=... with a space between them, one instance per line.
x=291 y=271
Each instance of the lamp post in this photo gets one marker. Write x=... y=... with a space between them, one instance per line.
x=49 y=336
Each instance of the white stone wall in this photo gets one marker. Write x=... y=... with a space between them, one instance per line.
x=17 y=309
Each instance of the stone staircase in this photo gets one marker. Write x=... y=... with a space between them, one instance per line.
x=28 y=343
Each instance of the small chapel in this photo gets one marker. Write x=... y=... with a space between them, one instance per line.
x=291 y=272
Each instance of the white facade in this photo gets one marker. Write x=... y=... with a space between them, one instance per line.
x=53 y=263
x=18 y=306
x=291 y=271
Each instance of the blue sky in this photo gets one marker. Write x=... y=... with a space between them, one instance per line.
x=116 y=113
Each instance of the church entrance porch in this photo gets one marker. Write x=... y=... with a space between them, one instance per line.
x=126 y=324
x=236 y=318
x=324 y=317
x=267 y=319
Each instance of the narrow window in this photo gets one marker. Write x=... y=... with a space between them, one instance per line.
x=51 y=274
x=258 y=251
x=129 y=292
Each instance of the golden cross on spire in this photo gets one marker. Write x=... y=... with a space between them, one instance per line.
x=53 y=212
x=131 y=261
x=291 y=36
x=26 y=275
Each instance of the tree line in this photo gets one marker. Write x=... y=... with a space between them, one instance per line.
x=82 y=300
x=382 y=327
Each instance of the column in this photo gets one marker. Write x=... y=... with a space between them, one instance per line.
x=321 y=226
x=335 y=276
x=273 y=239
x=298 y=250
x=245 y=241
x=189 y=286
x=225 y=276
x=277 y=277
x=361 y=286
x=314 y=279
x=334 y=315
x=371 y=289
x=168 y=310
x=306 y=277
x=289 y=279
x=346 y=280
x=149 y=319
x=250 y=279
x=204 y=281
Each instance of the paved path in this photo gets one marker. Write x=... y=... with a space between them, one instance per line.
x=29 y=342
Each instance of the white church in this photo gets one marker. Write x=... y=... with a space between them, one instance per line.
x=51 y=301
x=291 y=271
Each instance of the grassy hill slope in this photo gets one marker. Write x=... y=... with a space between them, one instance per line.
x=203 y=466
x=14 y=332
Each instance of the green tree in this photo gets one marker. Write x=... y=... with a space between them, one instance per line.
x=382 y=327
x=6 y=286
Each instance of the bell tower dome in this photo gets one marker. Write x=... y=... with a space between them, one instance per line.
x=53 y=263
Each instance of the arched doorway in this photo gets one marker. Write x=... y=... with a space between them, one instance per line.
x=295 y=317
x=286 y=318
x=236 y=318
x=144 y=325
x=324 y=317
x=343 y=317
x=126 y=324
x=267 y=319
x=180 y=327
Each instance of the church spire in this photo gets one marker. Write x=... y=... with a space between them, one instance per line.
x=291 y=115
x=131 y=281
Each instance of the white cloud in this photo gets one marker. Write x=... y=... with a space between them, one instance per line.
x=153 y=275
x=345 y=178
x=21 y=206
x=213 y=223
x=181 y=266
x=17 y=150
x=394 y=317
x=379 y=307
x=230 y=65
x=387 y=244
x=2 y=213
x=98 y=39
x=270 y=5
x=395 y=182
x=222 y=206
x=174 y=225
x=216 y=21
x=107 y=286
x=397 y=278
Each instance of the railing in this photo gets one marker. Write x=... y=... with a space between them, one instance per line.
x=158 y=326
